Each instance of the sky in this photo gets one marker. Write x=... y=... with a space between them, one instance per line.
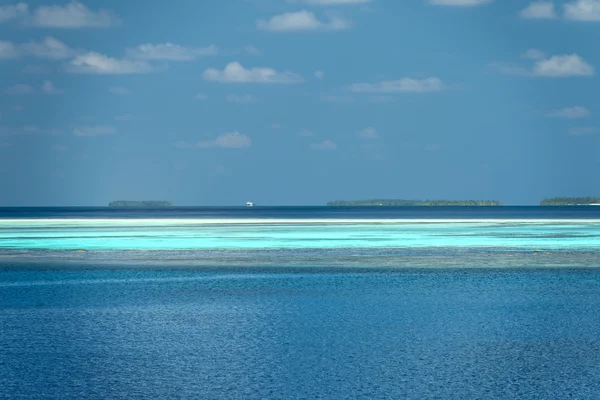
x=298 y=102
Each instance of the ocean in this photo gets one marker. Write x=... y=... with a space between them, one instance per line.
x=300 y=302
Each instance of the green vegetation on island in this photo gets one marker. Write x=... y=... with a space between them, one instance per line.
x=412 y=203
x=145 y=203
x=570 y=201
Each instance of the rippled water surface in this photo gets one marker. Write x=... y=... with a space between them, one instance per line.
x=241 y=334
x=279 y=303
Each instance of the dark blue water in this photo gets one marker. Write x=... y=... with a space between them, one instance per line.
x=579 y=212
x=260 y=334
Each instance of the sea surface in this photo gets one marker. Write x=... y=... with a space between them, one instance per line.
x=300 y=303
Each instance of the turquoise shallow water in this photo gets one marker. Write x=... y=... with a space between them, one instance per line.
x=195 y=234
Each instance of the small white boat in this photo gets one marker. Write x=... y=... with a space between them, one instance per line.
x=249 y=204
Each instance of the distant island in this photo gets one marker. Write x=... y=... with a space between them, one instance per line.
x=412 y=203
x=570 y=201
x=145 y=203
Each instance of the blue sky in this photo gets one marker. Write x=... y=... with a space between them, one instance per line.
x=292 y=102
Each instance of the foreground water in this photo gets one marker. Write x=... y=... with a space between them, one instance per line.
x=300 y=303
x=240 y=334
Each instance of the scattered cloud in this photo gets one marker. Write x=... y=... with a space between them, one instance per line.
x=337 y=99
x=459 y=3
x=72 y=15
x=582 y=130
x=20 y=89
x=94 y=130
x=234 y=72
x=11 y=12
x=119 y=91
x=534 y=54
x=539 y=10
x=557 y=66
x=170 y=51
x=301 y=21
x=367 y=133
x=583 y=10
x=251 y=50
x=233 y=140
x=244 y=98
x=201 y=96
x=566 y=65
x=404 y=85
x=95 y=63
x=50 y=48
x=570 y=112
x=319 y=74
x=306 y=133
x=275 y=125
x=324 y=145
x=49 y=88
x=8 y=50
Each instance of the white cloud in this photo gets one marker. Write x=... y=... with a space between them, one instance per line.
x=234 y=72
x=539 y=10
x=170 y=51
x=324 y=145
x=301 y=21
x=570 y=112
x=94 y=130
x=583 y=10
x=459 y=3
x=306 y=133
x=16 y=11
x=119 y=91
x=251 y=50
x=245 y=98
x=8 y=50
x=319 y=74
x=534 y=54
x=233 y=140
x=337 y=2
x=20 y=89
x=49 y=88
x=50 y=48
x=367 y=133
x=95 y=63
x=124 y=117
x=404 y=85
x=582 y=130
x=565 y=65
x=72 y=15
x=201 y=96
x=557 y=66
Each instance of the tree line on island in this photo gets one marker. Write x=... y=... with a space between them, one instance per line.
x=552 y=201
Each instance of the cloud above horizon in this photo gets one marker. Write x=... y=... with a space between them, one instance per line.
x=96 y=63
x=403 y=85
x=234 y=72
x=231 y=140
x=170 y=51
x=301 y=21
x=539 y=10
x=68 y=16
